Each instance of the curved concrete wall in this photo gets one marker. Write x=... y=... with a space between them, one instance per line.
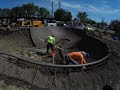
x=99 y=51
x=97 y=48
x=23 y=68
x=58 y=32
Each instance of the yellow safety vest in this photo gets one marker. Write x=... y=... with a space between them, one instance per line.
x=89 y=29
x=51 y=39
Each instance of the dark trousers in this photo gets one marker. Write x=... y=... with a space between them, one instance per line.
x=50 y=46
x=67 y=59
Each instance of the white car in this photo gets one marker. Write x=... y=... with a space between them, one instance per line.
x=52 y=23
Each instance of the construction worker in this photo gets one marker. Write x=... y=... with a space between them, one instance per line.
x=78 y=56
x=89 y=30
x=50 y=40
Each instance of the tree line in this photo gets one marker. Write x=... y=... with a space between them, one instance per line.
x=26 y=10
x=32 y=10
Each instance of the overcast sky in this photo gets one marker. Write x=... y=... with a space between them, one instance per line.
x=96 y=9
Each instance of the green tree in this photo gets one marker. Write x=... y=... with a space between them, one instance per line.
x=115 y=24
x=5 y=12
x=0 y=12
x=44 y=13
x=102 y=24
x=68 y=16
x=26 y=10
x=62 y=15
x=91 y=22
x=17 y=12
x=82 y=16
x=29 y=10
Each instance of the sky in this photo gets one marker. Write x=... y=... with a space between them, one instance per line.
x=96 y=9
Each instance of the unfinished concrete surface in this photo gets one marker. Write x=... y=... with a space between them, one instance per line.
x=63 y=37
x=15 y=39
x=60 y=33
x=78 y=41
x=16 y=42
x=93 y=79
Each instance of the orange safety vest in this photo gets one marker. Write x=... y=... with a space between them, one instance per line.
x=77 y=56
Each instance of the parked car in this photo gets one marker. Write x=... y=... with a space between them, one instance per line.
x=52 y=23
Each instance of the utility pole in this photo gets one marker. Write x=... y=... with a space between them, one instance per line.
x=59 y=4
x=52 y=8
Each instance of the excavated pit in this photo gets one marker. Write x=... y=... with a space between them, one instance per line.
x=93 y=79
x=78 y=41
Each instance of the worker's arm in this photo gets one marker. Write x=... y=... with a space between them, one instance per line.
x=84 y=61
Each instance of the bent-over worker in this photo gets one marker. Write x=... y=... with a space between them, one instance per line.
x=79 y=56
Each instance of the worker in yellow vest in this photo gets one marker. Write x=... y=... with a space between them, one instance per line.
x=50 y=40
x=89 y=29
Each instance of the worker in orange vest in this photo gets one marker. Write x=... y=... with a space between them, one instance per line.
x=79 y=56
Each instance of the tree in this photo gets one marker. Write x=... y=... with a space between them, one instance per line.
x=91 y=22
x=0 y=12
x=17 y=12
x=44 y=13
x=102 y=24
x=115 y=24
x=26 y=10
x=82 y=16
x=76 y=21
x=4 y=12
x=68 y=16
x=29 y=10
x=59 y=14
x=62 y=15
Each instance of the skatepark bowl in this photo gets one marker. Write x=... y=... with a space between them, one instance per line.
x=70 y=39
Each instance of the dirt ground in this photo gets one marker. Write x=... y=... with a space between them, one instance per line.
x=93 y=79
x=3 y=86
x=16 y=43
